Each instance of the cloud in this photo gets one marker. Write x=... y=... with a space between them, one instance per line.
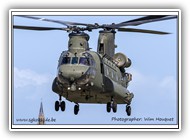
x=168 y=82
x=140 y=80
x=27 y=77
x=159 y=82
x=157 y=88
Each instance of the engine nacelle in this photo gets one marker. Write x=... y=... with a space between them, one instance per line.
x=122 y=60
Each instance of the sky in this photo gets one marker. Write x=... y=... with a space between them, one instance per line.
x=154 y=70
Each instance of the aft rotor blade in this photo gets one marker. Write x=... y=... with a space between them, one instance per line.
x=143 y=20
x=66 y=23
x=142 y=31
x=37 y=28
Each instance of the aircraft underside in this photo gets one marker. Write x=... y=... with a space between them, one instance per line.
x=92 y=97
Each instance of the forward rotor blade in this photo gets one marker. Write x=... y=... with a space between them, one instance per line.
x=37 y=28
x=142 y=31
x=66 y=23
x=143 y=20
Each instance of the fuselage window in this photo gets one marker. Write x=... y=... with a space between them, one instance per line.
x=75 y=60
x=116 y=77
x=107 y=71
x=84 y=61
x=66 y=60
x=113 y=75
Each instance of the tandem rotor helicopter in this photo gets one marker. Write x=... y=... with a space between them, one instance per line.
x=85 y=76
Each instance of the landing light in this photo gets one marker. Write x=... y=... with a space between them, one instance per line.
x=68 y=88
x=91 y=83
x=79 y=88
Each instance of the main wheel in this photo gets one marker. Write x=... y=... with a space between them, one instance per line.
x=128 y=110
x=114 y=107
x=62 y=106
x=76 y=109
x=108 y=107
x=57 y=106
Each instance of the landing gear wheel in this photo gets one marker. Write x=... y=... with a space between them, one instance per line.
x=62 y=106
x=57 y=106
x=114 y=107
x=128 y=110
x=108 y=107
x=76 y=109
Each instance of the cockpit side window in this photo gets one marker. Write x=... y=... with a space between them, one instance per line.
x=84 y=61
x=74 y=60
x=66 y=60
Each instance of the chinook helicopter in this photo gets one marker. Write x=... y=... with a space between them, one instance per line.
x=85 y=76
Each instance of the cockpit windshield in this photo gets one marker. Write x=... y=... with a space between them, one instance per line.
x=84 y=61
x=66 y=60
x=77 y=60
x=74 y=60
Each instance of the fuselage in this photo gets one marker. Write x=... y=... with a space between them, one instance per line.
x=89 y=77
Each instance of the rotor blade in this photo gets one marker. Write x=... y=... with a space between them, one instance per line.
x=66 y=23
x=151 y=17
x=142 y=31
x=37 y=28
x=143 y=20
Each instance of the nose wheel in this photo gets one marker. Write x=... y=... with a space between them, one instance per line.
x=60 y=104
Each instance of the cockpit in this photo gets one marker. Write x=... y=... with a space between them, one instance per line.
x=76 y=70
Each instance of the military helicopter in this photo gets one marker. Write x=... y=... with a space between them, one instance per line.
x=85 y=76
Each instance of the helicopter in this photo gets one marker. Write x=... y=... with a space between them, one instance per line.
x=94 y=77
